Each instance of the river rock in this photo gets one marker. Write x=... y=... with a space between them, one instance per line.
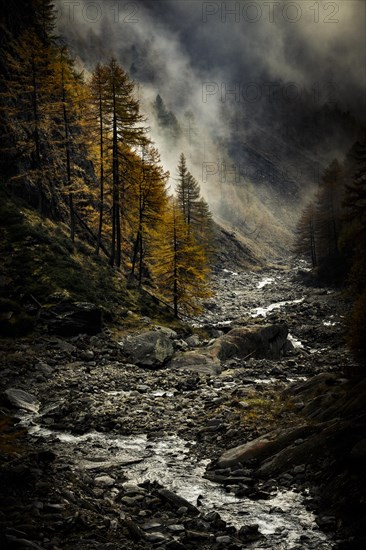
x=254 y=341
x=193 y=341
x=327 y=439
x=149 y=349
x=105 y=480
x=76 y=318
x=262 y=447
x=177 y=501
x=250 y=533
x=22 y=400
x=175 y=545
x=196 y=362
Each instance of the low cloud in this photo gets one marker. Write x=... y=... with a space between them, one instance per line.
x=242 y=69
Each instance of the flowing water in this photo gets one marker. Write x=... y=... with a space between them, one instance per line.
x=284 y=519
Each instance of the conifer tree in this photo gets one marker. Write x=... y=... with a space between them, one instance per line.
x=329 y=210
x=67 y=93
x=125 y=130
x=150 y=199
x=44 y=13
x=25 y=103
x=188 y=191
x=306 y=234
x=203 y=227
x=354 y=240
x=179 y=267
x=41 y=111
x=167 y=121
x=182 y=184
x=194 y=208
x=99 y=100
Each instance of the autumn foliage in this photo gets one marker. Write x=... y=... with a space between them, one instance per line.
x=78 y=150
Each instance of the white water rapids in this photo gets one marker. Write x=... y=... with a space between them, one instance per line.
x=284 y=519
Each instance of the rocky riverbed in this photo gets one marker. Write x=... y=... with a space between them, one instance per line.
x=106 y=443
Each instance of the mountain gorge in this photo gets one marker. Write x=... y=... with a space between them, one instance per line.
x=183 y=275
x=257 y=141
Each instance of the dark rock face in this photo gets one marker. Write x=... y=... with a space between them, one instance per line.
x=76 y=318
x=254 y=341
x=149 y=349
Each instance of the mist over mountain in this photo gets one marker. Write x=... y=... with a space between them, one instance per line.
x=265 y=94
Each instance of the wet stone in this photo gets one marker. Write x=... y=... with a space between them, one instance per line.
x=156 y=538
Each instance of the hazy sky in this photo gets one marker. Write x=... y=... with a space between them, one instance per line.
x=237 y=65
x=245 y=46
x=247 y=61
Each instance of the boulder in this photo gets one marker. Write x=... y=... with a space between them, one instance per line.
x=149 y=349
x=76 y=318
x=263 y=447
x=328 y=439
x=195 y=362
x=21 y=399
x=256 y=341
x=253 y=341
x=177 y=501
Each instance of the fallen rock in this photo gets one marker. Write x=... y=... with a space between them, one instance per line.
x=329 y=439
x=169 y=332
x=22 y=400
x=134 y=530
x=150 y=349
x=177 y=501
x=263 y=447
x=196 y=362
x=255 y=341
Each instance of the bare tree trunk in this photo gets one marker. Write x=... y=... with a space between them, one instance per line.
x=68 y=157
x=101 y=143
x=175 y=288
